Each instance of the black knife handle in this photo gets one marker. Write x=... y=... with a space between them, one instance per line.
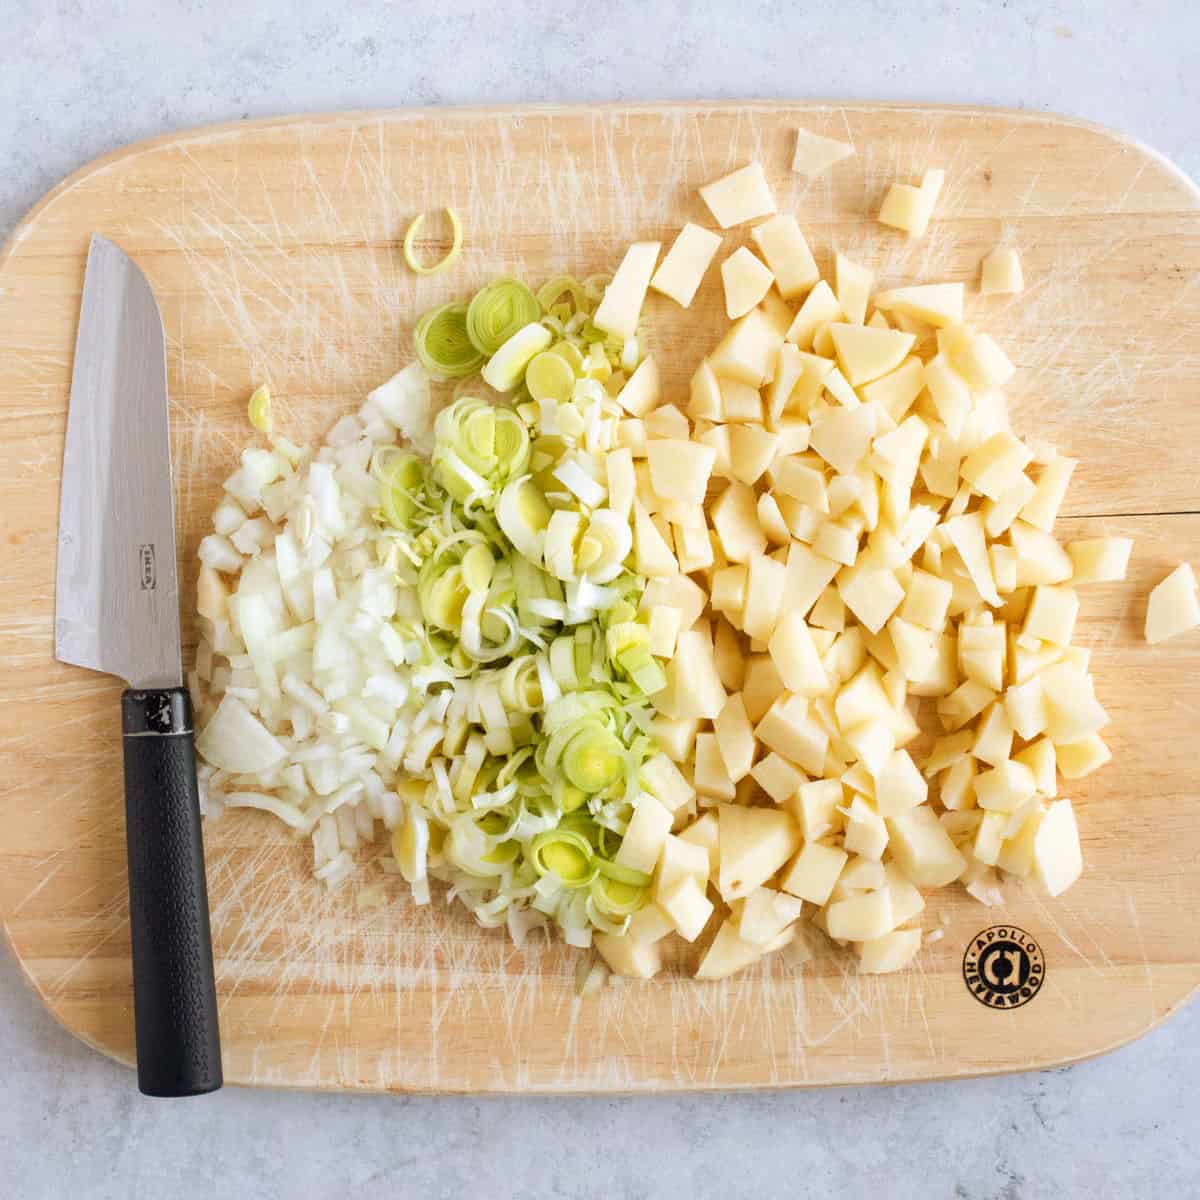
x=175 y=1002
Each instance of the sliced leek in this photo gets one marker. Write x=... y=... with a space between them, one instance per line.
x=410 y=240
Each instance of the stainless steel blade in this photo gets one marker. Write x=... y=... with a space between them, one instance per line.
x=117 y=596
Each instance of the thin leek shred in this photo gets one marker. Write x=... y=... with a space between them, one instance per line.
x=467 y=659
x=410 y=240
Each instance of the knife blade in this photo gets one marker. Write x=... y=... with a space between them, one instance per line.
x=117 y=596
x=117 y=611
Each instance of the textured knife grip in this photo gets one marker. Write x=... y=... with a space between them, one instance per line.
x=175 y=1005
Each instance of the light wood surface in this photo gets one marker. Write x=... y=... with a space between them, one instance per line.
x=273 y=249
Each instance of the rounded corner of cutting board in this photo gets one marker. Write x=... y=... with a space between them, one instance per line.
x=1104 y=1003
x=119 y=1052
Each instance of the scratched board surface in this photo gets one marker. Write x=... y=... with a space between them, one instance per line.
x=274 y=251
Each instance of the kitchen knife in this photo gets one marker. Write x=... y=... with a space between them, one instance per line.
x=117 y=611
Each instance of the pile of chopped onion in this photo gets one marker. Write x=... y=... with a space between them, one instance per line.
x=429 y=625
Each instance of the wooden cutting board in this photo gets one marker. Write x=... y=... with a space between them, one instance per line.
x=273 y=248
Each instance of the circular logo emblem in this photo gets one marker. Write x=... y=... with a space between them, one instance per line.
x=1003 y=967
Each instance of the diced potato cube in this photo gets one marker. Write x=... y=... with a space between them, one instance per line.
x=735 y=738
x=621 y=306
x=1004 y=788
x=1026 y=707
x=693 y=686
x=853 y=288
x=1040 y=559
x=688 y=908
x=1173 y=607
x=1051 y=615
x=749 y=350
x=729 y=656
x=777 y=777
x=979 y=360
x=872 y=595
x=836 y=541
x=957 y=786
x=993 y=738
x=746 y=279
x=621 y=480
x=820 y=307
x=1057 y=858
x=649 y=924
x=994 y=467
x=815 y=154
x=764 y=596
x=927 y=601
x=740 y=196
x=679 y=860
x=950 y=393
x=652 y=554
x=693 y=548
x=677 y=738
x=677 y=590
x=787 y=254
x=642 y=389
x=647 y=834
x=667 y=422
x=1041 y=509
x=814 y=871
x=894 y=393
x=679 y=470
x=1041 y=758
x=771 y=522
x=866 y=833
x=815 y=806
x=989 y=837
x=787 y=729
x=899 y=786
x=631 y=436
x=891 y=952
x=680 y=272
x=1000 y=272
x=801 y=478
x=795 y=656
x=1099 y=560
x=734 y=515
x=754 y=843
x=873 y=742
x=765 y=914
x=751 y=449
x=729 y=952
x=860 y=918
x=705 y=399
x=625 y=956
x=1077 y=759
x=761 y=687
x=922 y=849
x=865 y=354
x=664 y=780
x=936 y=304
x=906 y=208
x=1072 y=709
x=704 y=832
x=709 y=774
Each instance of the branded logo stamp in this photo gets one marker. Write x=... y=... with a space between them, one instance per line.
x=146 y=568
x=1003 y=967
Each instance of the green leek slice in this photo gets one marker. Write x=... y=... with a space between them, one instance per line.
x=498 y=311
x=441 y=342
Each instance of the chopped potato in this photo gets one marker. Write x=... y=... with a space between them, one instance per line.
x=681 y=270
x=740 y=196
x=1000 y=272
x=815 y=154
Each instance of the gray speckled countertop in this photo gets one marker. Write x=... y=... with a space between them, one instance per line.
x=80 y=79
